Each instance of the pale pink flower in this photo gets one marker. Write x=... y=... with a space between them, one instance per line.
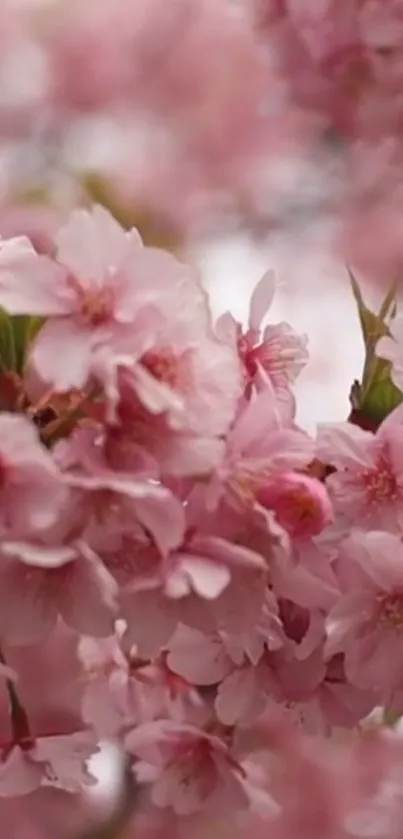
x=342 y=704
x=108 y=703
x=174 y=365
x=209 y=582
x=189 y=769
x=32 y=493
x=204 y=565
x=272 y=357
x=201 y=584
x=41 y=582
x=118 y=503
x=367 y=487
x=139 y=432
x=274 y=682
x=366 y=623
x=123 y=690
x=63 y=760
x=205 y=658
x=85 y=293
x=101 y=279
x=261 y=445
x=59 y=761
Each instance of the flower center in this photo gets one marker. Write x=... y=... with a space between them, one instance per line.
x=246 y=486
x=380 y=484
x=246 y=352
x=303 y=504
x=95 y=304
x=391 y=611
x=163 y=365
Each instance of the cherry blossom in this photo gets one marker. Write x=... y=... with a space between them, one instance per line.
x=274 y=355
x=32 y=490
x=262 y=444
x=365 y=488
x=49 y=581
x=191 y=770
x=365 y=621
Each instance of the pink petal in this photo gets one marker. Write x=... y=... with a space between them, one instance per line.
x=195 y=572
x=343 y=444
x=67 y=757
x=151 y=620
x=391 y=432
x=239 y=697
x=226 y=328
x=184 y=798
x=40 y=556
x=155 y=506
x=163 y=515
x=8 y=673
x=61 y=354
x=261 y=416
x=261 y=300
x=31 y=284
x=88 y=599
x=93 y=243
x=223 y=552
x=186 y=455
x=19 y=776
x=344 y=620
x=155 y=395
x=198 y=658
x=286 y=449
x=380 y=556
x=27 y=609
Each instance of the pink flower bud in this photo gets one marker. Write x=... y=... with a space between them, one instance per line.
x=302 y=504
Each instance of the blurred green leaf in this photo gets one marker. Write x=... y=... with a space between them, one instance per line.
x=155 y=232
x=7 y=345
x=16 y=334
x=24 y=329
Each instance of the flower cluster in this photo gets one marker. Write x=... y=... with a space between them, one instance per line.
x=184 y=569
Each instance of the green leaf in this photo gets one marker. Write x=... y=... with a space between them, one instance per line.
x=7 y=345
x=381 y=398
x=373 y=328
x=388 y=308
x=24 y=328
